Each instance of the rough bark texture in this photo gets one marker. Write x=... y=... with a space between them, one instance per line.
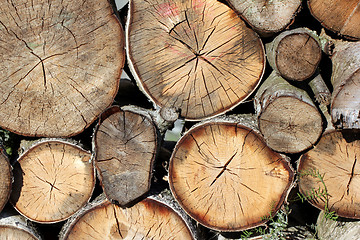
x=14 y=226
x=345 y=103
x=203 y=61
x=52 y=180
x=61 y=64
x=287 y=117
x=148 y=219
x=329 y=174
x=267 y=17
x=321 y=91
x=217 y=167
x=342 y=17
x=295 y=54
x=126 y=144
x=5 y=178
x=341 y=229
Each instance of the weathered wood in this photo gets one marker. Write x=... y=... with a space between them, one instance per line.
x=287 y=117
x=5 y=178
x=345 y=79
x=148 y=219
x=267 y=17
x=15 y=226
x=341 y=229
x=329 y=174
x=197 y=57
x=126 y=144
x=226 y=178
x=342 y=17
x=61 y=64
x=295 y=54
x=52 y=180
x=321 y=91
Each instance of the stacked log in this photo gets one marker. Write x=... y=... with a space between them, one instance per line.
x=199 y=62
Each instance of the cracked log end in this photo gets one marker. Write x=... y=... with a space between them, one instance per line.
x=226 y=178
x=52 y=180
x=61 y=65
x=267 y=17
x=148 y=219
x=342 y=17
x=290 y=125
x=195 y=56
x=5 y=178
x=337 y=159
x=126 y=146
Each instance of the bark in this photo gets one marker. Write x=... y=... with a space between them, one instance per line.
x=287 y=117
x=61 y=65
x=15 y=226
x=341 y=229
x=204 y=60
x=342 y=17
x=267 y=17
x=321 y=91
x=6 y=178
x=148 y=219
x=126 y=143
x=295 y=54
x=52 y=180
x=218 y=166
x=329 y=174
x=345 y=79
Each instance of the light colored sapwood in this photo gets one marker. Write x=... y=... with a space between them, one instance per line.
x=61 y=64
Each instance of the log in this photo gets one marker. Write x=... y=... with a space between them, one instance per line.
x=339 y=16
x=6 y=178
x=15 y=226
x=287 y=117
x=204 y=60
x=329 y=174
x=61 y=65
x=52 y=180
x=148 y=219
x=126 y=144
x=267 y=17
x=341 y=229
x=295 y=54
x=225 y=177
x=345 y=79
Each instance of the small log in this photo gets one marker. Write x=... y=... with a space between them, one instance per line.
x=267 y=17
x=295 y=54
x=126 y=144
x=6 y=178
x=15 y=226
x=221 y=171
x=287 y=117
x=345 y=78
x=203 y=61
x=61 y=65
x=342 y=17
x=341 y=229
x=148 y=219
x=52 y=180
x=329 y=174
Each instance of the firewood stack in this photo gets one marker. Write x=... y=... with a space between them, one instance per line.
x=263 y=97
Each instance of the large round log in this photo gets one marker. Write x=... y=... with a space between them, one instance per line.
x=198 y=57
x=225 y=177
x=52 y=180
x=61 y=64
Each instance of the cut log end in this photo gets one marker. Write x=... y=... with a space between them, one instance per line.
x=329 y=174
x=290 y=125
x=52 y=180
x=5 y=178
x=212 y=175
x=209 y=60
x=126 y=146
